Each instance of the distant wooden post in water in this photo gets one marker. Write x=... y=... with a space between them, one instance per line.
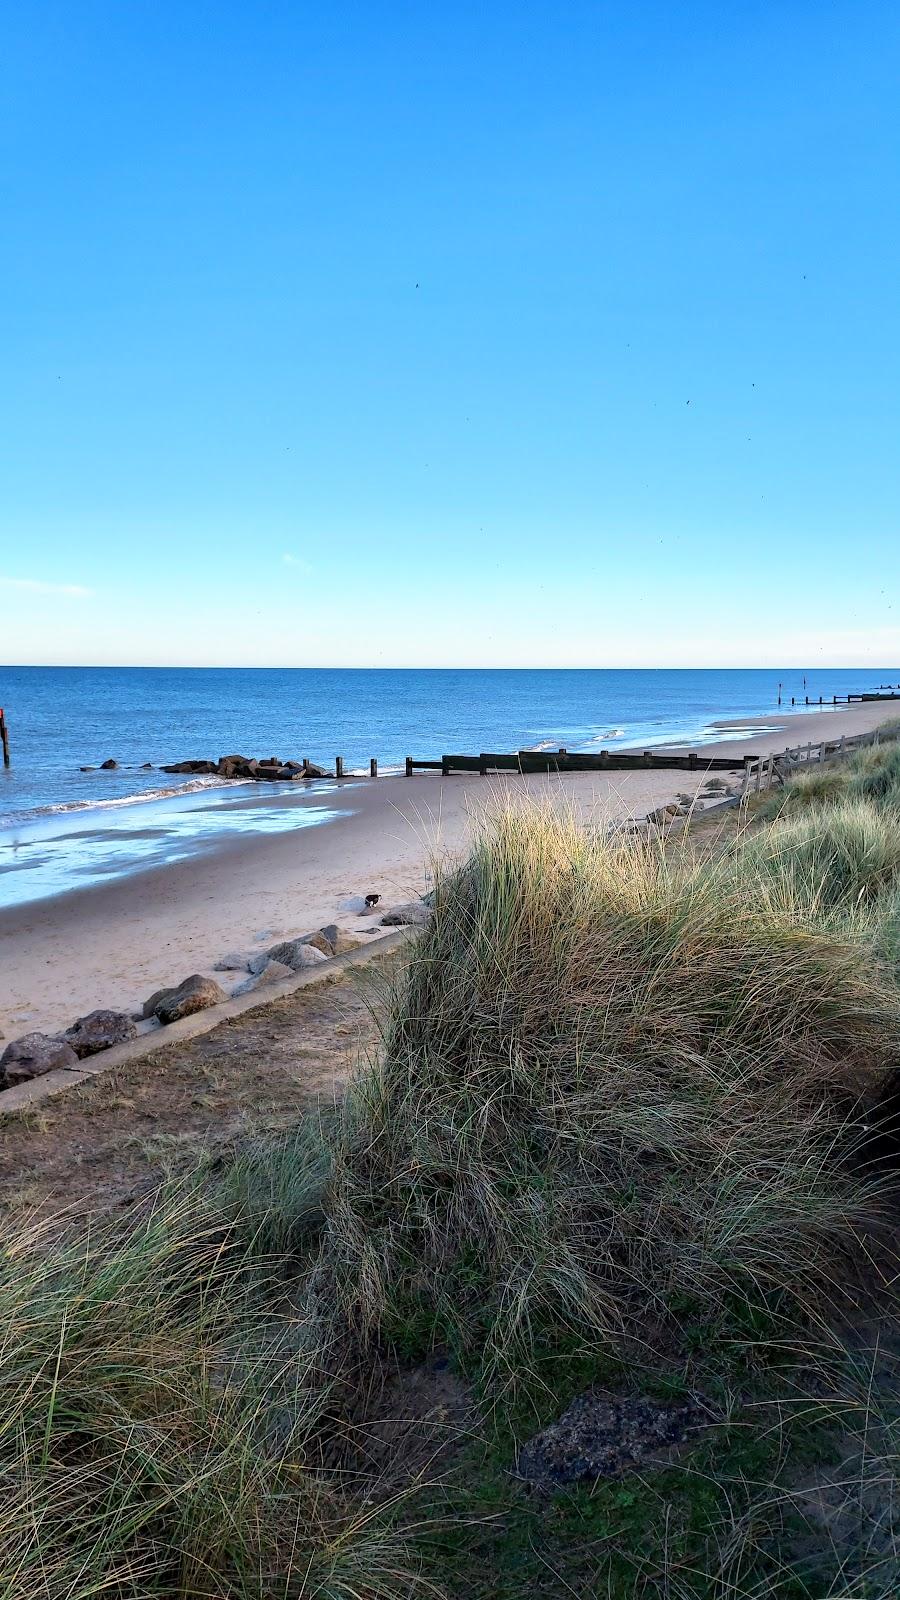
x=339 y=766
x=4 y=737
x=373 y=767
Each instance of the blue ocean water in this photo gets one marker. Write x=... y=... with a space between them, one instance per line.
x=63 y=718
x=62 y=829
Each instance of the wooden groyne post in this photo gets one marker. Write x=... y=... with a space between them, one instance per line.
x=4 y=737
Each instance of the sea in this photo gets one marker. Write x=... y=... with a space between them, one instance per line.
x=64 y=828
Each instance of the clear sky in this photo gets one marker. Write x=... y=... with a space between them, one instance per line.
x=437 y=333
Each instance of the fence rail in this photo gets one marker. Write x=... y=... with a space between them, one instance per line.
x=760 y=772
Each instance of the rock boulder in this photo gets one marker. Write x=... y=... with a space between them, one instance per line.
x=195 y=993
x=338 y=942
x=233 y=962
x=32 y=1056
x=297 y=954
x=272 y=972
x=99 y=1030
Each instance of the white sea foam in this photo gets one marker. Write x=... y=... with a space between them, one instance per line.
x=138 y=799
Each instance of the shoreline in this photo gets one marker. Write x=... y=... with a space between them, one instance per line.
x=111 y=943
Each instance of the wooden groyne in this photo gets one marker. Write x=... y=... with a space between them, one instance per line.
x=537 y=761
x=887 y=693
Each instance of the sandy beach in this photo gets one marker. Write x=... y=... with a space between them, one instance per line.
x=112 y=943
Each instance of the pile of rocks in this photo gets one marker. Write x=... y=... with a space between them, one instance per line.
x=686 y=805
x=34 y=1054
x=37 y=1053
x=245 y=768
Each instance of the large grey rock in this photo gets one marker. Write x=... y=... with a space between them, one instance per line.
x=99 y=1030
x=195 y=993
x=233 y=962
x=32 y=1056
x=413 y=915
x=297 y=954
x=272 y=972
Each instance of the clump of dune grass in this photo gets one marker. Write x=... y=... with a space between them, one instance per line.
x=272 y=1190
x=875 y=775
x=816 y=787
x=838 y=858
x=615 y=1081
x=160 y=1426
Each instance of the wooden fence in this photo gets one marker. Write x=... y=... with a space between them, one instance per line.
x=760 y=772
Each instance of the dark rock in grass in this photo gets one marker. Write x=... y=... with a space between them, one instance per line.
x=196 y=993
x=600 y=1436
x=99 y=1030
x=108 y=766
x=32 y=1056
x=414 y=915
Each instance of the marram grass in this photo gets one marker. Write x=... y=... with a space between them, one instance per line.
x=614 y=1082
x=160 y=1435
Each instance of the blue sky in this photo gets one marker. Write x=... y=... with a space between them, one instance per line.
x=506 y=334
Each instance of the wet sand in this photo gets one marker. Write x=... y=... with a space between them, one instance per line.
x=111 y=944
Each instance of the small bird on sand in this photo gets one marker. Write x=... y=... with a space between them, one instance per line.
x=372 y=901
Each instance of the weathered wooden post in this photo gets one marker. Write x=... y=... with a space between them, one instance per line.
x=373 y=767
x=4 y=737
x=339 y=766
x=409 y=766
x=692 y=761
